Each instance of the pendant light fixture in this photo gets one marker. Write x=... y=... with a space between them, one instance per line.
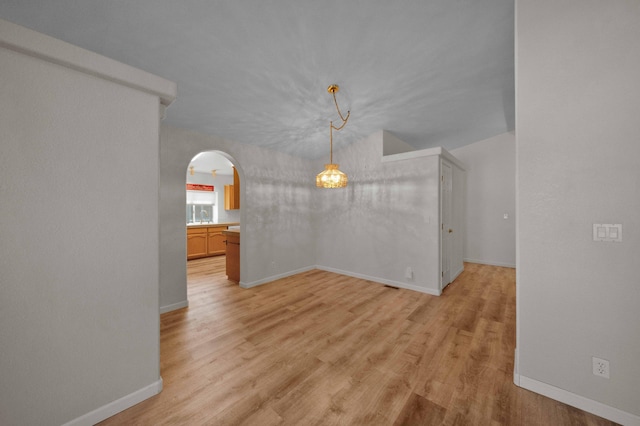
x=332 y=177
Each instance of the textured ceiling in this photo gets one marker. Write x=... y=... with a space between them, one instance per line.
x=433 y=72
x=207 y=161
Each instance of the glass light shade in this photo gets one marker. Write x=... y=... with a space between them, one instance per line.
x=331 y=177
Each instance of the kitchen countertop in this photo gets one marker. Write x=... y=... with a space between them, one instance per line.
x=204 y=225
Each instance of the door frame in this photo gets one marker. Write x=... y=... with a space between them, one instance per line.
x=445 y=237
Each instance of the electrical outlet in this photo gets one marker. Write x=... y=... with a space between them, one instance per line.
x=408 y=273
x=600 y=367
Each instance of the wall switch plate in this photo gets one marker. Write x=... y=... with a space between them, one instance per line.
x=506 y=216
x=600 y=367
x=607 y=232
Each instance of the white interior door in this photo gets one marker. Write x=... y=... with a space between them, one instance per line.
x=446 y=189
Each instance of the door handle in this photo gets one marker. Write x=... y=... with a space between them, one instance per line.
x=450 y=230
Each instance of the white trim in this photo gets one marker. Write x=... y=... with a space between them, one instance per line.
x=491 y=263
x=450 y=158
x=585 y=404
x=174 y=306
x=275 y=277
x=412 y=154
x=441 y=284
x=117 y=406
x=517 y=185
x=516 y=368
x=23 y=40
x=399 y=284
x=424 y=153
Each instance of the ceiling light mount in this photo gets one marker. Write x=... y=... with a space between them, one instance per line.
x=332 y=177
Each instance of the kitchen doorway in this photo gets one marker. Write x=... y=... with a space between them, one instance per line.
x=212 y=208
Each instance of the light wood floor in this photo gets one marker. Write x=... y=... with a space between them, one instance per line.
x=321 y=348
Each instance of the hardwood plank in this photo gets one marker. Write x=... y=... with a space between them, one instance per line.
x=420 y=411
x=308 y=402
x=322 y=348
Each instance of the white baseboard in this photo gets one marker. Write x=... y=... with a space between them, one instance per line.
x=516 y=364
x=434 y=292
x=174 y=306
x=275 y=277
x=117 y=406
x=488 y=262
x=398 y=284
x=585 y=404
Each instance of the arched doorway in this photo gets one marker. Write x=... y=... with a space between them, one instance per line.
x=212 y=207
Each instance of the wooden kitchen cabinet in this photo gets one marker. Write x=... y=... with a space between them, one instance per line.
x=215 y=241
x=233 y=255
x=196 y=243
x=236 y=188
x=229 y=200
x=205 y=241
x=232 y=193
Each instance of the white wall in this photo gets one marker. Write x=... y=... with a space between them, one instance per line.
x=384 y=221
x=79 y=278
x=577 y=103
x=490 y=194
x=277 y=236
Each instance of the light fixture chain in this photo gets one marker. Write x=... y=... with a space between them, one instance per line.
x=331 y=142
x=344 y=120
